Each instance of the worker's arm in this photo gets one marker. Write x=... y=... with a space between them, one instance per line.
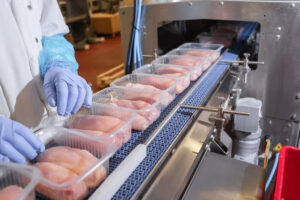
x=62 y=86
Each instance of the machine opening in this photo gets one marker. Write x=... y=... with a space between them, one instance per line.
x=175 y=33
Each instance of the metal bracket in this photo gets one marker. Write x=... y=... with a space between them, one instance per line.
x=246 y=69
x=155 y=54
x=219 y=118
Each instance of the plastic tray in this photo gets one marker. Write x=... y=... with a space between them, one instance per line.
x=128 y=80
x=183 y=78
x=215 y=49
x=236 y=27
x=57 y=136
x=144 y=116
x=22 y=176
x=223 y=39
x=200 y=65
x=117 y=136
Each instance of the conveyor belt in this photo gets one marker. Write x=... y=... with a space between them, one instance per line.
x=167 y=134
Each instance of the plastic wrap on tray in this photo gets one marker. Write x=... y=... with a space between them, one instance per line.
x=72 y=163
x=143 y=82
x=199 y=64
x=211 y=51
x=104 y=122
x=18 y=181
x=147 y=110
x=183 y=75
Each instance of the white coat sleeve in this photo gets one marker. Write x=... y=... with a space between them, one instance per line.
x=52 y=21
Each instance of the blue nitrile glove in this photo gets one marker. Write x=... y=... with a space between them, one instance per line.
x=17 y=142
x=66 y=90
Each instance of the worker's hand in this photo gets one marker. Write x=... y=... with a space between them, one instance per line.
x=66 y=90
x=17 y=142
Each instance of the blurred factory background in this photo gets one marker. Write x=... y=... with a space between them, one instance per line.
x=95 y=33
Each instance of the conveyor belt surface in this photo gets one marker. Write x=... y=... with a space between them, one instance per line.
x=168 y=133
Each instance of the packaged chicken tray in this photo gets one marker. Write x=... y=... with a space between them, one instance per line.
x=210 y=51
x=181 y=74
x=72 y=163
x=102 y=122
x=199 y=64
x=147 y=105
x=143 y=82
x=223 y=39
x=17 y=182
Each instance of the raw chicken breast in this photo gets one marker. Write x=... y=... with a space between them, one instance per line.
x=170 y=70
x=96 y=123
x=76 y=160
x=144 y=118
x=183 y=82
x=209 y=54
x=112 y=139
x=10 y=192
x=189 y=61
x=204 y=55
x=200 y=53
x=186 y=61
x=158 y=82
x=175 y=70
x=102 y=123
x=174 y=74
x=149 y=97
x=59 y=175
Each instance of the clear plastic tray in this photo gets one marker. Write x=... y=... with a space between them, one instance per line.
x=183 y=77
x=144 y=82
x=118 y=136
x=212 y=51
x=120 y=96
x=75 y=188
x=224 y=39
x=228 y=28
x=199 y=64
x=20 y=179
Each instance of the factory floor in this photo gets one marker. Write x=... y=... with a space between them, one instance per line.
x=99 y=58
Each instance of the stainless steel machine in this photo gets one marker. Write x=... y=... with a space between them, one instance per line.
x=275 y=83
x=195 y=165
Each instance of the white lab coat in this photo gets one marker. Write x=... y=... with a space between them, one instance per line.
x=23 y=23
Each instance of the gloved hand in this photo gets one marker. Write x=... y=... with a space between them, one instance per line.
x=17 y=142
x=66 y=90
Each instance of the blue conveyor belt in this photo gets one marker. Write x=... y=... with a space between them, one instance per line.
x=168 y=133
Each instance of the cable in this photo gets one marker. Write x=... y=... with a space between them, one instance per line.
x=134 y=33
x=266 y=151
x=137 y=47
x=130 y=61
x=134 y=57
x=272 y=172
x=139 y=50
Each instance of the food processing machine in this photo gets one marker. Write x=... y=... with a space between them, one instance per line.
x=187 y=153
x=184 y=156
